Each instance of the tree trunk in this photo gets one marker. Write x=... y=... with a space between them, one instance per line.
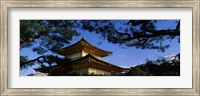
x=29 y=40
x=25 y=43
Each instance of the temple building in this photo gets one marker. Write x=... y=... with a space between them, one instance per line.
x=85 y=59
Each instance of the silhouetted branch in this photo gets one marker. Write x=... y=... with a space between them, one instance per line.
x=30 y=61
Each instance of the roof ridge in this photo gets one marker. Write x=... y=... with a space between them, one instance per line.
x=95 y=46
x=83 y=42
x=97 y=59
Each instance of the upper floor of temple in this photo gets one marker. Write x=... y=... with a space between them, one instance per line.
x=81 y=49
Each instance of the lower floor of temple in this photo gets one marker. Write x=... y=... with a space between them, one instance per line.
x=90 y=71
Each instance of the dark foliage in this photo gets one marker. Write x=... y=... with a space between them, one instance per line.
x=133 y=33
x=44 y=36
x=63 y=65
x=24 y=59
x=47 y=36
x=160 y=67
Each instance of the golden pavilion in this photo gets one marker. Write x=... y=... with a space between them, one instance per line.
x=85 y=60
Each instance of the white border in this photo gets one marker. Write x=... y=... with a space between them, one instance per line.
x=183 y=81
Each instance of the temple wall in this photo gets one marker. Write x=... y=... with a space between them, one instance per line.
x=91 y=71
x=98 y=72
x=83 y=71
x=80 y=72
x=75 y=56
x=85 y=53
x=80 y=54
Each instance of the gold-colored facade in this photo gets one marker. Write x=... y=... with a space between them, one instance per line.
x=86 y=59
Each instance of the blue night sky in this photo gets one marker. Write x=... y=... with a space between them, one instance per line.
x=124 y=57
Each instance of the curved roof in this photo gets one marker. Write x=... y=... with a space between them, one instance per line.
x=93 y=62
x=83 y=45
x=89 y=59
x=96 y=59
